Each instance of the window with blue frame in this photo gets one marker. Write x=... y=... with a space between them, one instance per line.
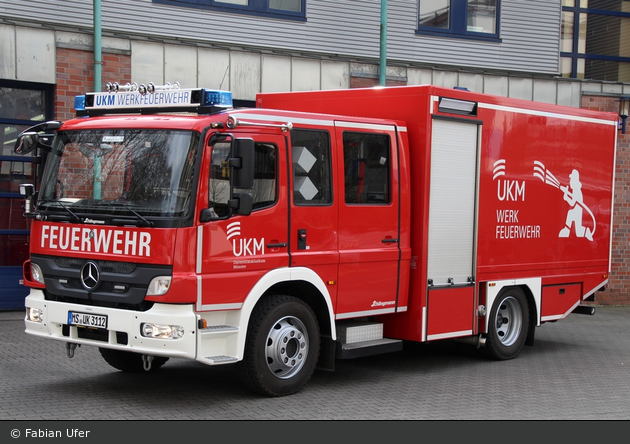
x=284 y=9
x=595 y=40
x=477 y=19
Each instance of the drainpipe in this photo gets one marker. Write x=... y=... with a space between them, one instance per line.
x=97 y=46
x=383 y=59
x=97 y=88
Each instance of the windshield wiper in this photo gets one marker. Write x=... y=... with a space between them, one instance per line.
x=75 y=217
x=145 y=222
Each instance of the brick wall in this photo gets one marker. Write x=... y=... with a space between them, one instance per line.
x=75 y=76
x=618 y=290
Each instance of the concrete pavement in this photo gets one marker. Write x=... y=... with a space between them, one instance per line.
x=579 y=369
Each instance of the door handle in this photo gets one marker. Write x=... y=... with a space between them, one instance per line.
x=390 y=241
x=302 y=240
x=278 y=245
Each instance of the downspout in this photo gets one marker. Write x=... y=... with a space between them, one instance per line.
x=383 y=54
x=97 y=88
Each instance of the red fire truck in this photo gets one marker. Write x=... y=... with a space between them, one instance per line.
x=313 y=226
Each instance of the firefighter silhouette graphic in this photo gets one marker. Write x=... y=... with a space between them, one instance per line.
x=573 y=196
x=574 y=216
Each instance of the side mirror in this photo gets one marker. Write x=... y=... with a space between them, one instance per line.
x=242 y=163
x=206 y=215
x=25 y=143
x=30 y=138
x=241 y=204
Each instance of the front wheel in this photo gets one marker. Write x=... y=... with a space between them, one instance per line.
x=508 y=325
x=282 y=346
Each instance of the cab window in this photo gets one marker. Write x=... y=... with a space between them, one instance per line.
x=312 y=183
x=265 y=189
x=366 y=165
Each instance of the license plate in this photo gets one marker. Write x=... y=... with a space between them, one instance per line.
x=87 y=320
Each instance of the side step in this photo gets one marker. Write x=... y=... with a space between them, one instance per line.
x=220 y=359
x=359 y=339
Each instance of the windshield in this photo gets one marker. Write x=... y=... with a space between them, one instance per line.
x=134 y=172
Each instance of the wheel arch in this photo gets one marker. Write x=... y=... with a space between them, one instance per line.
x=310 y=294
x=302 y=283
x=532 y=287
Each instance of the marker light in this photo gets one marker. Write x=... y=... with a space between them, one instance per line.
x=34 y=315
x=36 y=273
x=161 y=331
x=159 y=285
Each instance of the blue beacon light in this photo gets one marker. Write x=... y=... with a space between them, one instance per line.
x=217 y=98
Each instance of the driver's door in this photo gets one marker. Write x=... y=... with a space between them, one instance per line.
x=235 y=252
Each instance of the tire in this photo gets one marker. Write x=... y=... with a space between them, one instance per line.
x=282 y=346
x=508 y=325
x=129 y=362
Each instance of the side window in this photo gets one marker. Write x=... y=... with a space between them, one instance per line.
x=469 y=18
x=265 y=189
x=282 y=9
x=312 y=184
x=366 y=166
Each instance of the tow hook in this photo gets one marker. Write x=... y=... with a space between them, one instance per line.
x=70 y=348
x=146 y=362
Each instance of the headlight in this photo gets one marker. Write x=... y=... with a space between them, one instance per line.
x=159 y=285
x=36 y=273
x=161 y=331
x=34 y=315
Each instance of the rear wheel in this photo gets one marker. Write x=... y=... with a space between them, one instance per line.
x=282 y=346
x=508 y=325
x=130 y=362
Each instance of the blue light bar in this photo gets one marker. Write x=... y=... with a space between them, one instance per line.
x=79 y=103
x=153 y=100
x=217 y=98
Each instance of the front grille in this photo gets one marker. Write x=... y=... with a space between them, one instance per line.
x=105 y=266
x=73 y=283
x=120 y=285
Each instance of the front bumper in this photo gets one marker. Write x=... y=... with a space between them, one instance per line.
x=123 y=327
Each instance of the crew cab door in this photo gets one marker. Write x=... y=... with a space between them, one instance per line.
x=313 y=215
x=234 y=253
x=368 y=202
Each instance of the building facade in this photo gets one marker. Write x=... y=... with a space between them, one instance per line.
x=569 y=52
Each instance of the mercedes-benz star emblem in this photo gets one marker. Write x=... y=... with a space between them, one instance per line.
x=90 y=275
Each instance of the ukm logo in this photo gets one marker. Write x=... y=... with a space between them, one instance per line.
x=244 y=246
x=507 y=190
